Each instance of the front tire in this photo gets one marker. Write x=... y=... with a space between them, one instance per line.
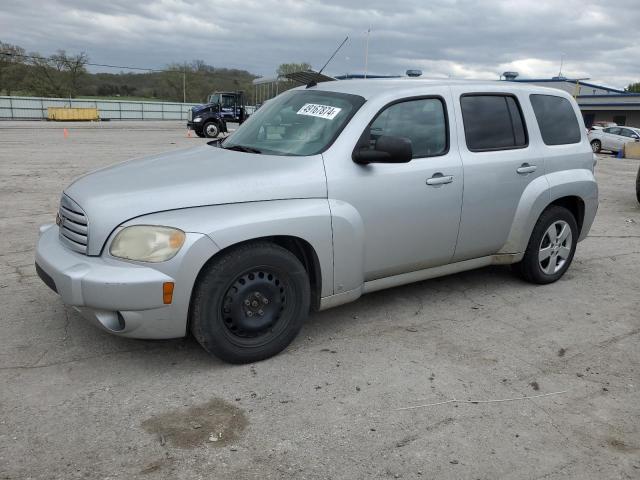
x=250 y=303
x=199 y=133
x=211 y=129
x=596 y=146
x=551 y=247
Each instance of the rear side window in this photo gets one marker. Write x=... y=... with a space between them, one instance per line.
x=492 y=122
x=556 y=119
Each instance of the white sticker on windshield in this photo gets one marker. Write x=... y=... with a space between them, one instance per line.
x=321 y=111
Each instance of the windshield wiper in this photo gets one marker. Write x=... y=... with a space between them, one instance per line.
x=242 y=148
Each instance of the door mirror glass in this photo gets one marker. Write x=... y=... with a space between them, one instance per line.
x=387 y=149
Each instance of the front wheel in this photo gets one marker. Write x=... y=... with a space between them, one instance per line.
x=551 y=246
x=250 y=303
x=596 y=146
x=211 y=130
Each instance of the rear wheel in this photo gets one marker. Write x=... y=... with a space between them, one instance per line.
x=596 y=146
x=250 y=303
x=200 y=134
x=551 y=246
x=211 y=129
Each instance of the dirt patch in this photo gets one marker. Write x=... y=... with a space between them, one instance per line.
x=620 y=446
x=216 y=423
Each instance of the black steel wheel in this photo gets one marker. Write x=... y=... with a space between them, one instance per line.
x=250 y=303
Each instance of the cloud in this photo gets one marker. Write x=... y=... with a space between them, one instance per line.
x=461 y=39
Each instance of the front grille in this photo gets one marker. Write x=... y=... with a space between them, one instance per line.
x=74 y=226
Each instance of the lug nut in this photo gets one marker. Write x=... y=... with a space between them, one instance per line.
x=265 y=301
x=246 y=302
x=249 y=313
x=260 y=312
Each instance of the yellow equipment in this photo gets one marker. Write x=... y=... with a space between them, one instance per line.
x=72 y=114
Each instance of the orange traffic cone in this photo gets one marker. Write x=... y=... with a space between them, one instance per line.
x=188 y=132
x=66 y=133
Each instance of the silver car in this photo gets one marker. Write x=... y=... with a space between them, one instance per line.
x=326 y=193
x=612 y=139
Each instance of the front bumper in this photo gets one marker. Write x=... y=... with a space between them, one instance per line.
x=120 y=297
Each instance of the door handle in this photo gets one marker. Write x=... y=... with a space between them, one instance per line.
x=526 y=168
x=439 y=179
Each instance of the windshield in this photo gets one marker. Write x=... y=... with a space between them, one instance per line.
x=297 y=122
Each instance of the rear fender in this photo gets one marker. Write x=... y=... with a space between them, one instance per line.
x=539 y=194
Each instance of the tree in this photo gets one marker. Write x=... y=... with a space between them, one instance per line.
x=12 y=68
x=59 y=75
x=292 y=67
x=633 y=88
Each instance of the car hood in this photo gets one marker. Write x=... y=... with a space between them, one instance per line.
x=190 y=178
x=201 y=108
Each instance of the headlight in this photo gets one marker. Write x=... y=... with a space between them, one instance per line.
x=197 y=119
x=147 y=243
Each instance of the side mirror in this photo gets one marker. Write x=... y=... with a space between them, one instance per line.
x=387 y=150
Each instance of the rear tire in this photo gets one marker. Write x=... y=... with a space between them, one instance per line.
x=200 y=134
x=596 y=146
x=551 y=247
x=250 y=303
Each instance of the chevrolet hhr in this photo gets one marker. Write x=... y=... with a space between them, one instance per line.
x=326 y=193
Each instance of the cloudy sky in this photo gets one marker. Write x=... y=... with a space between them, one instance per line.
x=460 y=39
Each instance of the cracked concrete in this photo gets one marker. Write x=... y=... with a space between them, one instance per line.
x=74 y=401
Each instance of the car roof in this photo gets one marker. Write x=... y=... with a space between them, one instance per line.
x=371 y=88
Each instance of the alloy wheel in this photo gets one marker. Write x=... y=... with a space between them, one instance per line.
x=555 y=247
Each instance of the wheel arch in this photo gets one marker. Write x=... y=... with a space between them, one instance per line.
x=575 y=205
x=576 y=190
x=299 y=247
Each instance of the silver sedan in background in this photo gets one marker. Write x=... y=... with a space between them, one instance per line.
x=612 y=138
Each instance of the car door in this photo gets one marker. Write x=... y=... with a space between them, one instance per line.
x=499 y=163
x=410 y=211
x=611 y=138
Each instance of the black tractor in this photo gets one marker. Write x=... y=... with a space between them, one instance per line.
x=210 y=119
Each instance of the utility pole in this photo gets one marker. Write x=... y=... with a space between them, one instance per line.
x=184 y=83
x=366 y=52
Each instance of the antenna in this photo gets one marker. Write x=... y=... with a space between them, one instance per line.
x=366 y=53
x=313 y=83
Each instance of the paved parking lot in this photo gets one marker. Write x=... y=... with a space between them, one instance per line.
x=76 y=402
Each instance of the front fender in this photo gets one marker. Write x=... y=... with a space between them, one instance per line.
x=229 y=224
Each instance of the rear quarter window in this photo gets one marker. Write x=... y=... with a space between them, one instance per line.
x=556 y=119
x=492 y=122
